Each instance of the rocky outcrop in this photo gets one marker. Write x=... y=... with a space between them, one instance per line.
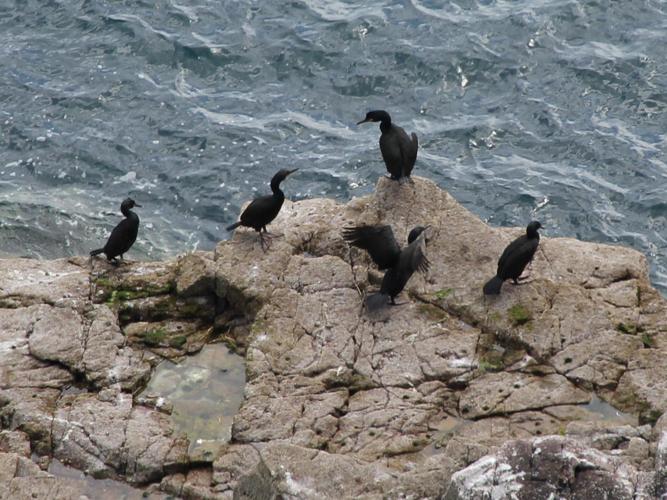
x=340 y=402
x=549 y=467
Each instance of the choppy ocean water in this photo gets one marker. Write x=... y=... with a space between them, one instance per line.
x=549 y=109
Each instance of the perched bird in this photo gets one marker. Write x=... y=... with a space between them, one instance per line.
x=514 y=259
x=264 y=209
x=381 y=245
x=123 y=235
x=399 y=151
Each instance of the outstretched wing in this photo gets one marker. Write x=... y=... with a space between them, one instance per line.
x=413 y=257
x=378 y=241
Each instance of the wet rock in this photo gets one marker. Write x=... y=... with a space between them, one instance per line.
x=170 y=338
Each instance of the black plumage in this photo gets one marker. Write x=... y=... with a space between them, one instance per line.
x=399 y=151
x=516 y=256
x=264 y=209
x=381 y=245
x=123 y=235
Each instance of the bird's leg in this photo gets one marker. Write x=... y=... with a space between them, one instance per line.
x=266 y=233
x=264 y=241
x=394 y=303
x=354 y=274
x=114 y=262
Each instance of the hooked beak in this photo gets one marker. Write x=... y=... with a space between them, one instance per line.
x=363 y=121
x=426 y=236
x=292 y=171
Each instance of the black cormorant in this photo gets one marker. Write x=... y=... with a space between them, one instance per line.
x=264 y=209
x=399 y=151
x=123 y=235
x=381 y=245
x=514 y=259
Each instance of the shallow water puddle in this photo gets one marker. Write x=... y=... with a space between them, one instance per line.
x=102 y=489
x=608 y=412
x=205 y=391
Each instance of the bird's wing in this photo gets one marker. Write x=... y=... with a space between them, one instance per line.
x=518 y=258
x=413 y=257
x=378 y=241
x=510 y=250
x=408 y=149
x=121 y=234
x=390 y=147
x=255 y=210
x=411 y=154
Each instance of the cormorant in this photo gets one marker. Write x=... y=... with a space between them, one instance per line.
x=381 y=245
x=399 y=151
x=264 y=209
x=123 y=235
x=514 y=259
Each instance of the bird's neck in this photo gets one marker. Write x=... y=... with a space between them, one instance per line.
x=385 y=125
x=533 y=234
x=129 y=214
x=275 y=188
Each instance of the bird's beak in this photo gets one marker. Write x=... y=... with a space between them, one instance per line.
x=362 y=121
x=137 y=205
x=426 y=237
x=292 y=171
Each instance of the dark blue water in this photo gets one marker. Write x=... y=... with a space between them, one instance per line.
x=525 y=109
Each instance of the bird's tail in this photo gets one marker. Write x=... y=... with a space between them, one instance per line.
x=376 y=301
x=233 y=226
x=96 y=252
x=492 y=286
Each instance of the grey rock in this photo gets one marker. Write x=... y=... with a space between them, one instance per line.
x=58 y=335
x=543 y=467
x=196 y=275
x=292 y=472
x=60 y=282
x=340 y=402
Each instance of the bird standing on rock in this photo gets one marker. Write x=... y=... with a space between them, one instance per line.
x=399 y=151
x=264 y=209
x=514 y=259
x=123 y=235
x=381 y=245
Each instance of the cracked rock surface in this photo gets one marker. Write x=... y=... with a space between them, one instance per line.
x=449 y=395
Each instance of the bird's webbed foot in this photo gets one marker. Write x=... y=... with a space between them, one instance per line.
x=521 y=280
